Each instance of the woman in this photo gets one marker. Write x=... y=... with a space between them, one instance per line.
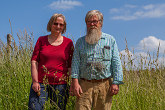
x=51 y=66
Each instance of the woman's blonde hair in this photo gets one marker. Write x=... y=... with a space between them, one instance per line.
x=54 y=17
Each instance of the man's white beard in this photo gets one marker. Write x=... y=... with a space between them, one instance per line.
x=93 y=35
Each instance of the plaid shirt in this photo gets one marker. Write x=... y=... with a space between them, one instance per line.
x=97 y=61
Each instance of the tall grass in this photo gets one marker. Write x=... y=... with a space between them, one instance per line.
x=144 y=88
x=15 y=73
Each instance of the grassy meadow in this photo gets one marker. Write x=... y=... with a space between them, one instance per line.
x=144 y=88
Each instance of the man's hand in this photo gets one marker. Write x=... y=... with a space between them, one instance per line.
x=75 y=88
x=36 y=86
x=114 y=89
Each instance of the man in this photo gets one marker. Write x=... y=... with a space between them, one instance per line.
x=95 y=61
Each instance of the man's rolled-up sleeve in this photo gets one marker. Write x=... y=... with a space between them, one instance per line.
x=75 y=62
x=116 y=66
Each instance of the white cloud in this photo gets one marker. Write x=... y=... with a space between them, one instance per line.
x=124 y=52
x=161 y=61
x=132 y=12
x=148 y=7
x=126 y=55
x=145 y=54
x=64 y=4
x=130 y=6
x=151 y=43
x=141 y=54
x=124 y=18
x=115 y=10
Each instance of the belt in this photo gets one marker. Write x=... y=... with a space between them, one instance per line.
x=95 y=80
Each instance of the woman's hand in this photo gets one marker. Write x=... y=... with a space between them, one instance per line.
x=36 y=87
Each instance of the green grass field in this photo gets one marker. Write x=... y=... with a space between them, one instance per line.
x=144 y=89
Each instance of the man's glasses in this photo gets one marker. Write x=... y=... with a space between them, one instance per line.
x=56 y=24
x=94 y=22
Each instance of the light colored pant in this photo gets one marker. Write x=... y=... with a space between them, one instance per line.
x=96 y=96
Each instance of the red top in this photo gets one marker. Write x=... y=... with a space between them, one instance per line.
x=53 y=61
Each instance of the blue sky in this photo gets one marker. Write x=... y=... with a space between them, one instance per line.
x=141 y=22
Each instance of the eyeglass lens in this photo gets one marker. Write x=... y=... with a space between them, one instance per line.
x=94 y=22
x=56 y=24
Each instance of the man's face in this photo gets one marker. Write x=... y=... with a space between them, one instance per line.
x=93 y=22
x=93 y=30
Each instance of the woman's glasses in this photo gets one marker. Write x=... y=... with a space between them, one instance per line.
x=56 y=24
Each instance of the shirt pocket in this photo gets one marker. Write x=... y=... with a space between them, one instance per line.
x=106 y=53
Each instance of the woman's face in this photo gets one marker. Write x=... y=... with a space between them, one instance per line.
x=57 y=26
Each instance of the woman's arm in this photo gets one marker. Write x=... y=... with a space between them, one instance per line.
x=34 y=74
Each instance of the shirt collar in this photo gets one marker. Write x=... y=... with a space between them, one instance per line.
x=103 y=35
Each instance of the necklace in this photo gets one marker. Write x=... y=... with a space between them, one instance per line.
x=55 y=42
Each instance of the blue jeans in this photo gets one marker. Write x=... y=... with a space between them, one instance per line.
x=58 y=94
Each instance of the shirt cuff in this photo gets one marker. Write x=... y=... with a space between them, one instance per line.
x=117 y=82
x=74 y=76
